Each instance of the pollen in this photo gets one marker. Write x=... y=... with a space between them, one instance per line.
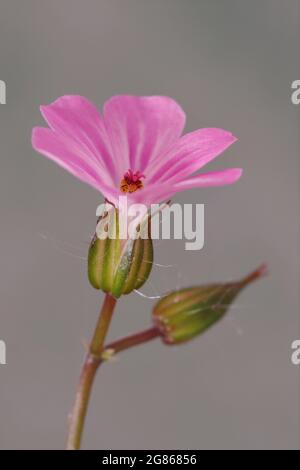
x=131 y=181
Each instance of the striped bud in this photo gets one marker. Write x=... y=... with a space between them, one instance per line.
x=117 y=264
x=184 y=314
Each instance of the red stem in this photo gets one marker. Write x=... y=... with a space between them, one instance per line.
x=132 y=340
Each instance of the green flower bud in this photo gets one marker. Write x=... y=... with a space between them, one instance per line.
x=186 y=313
x=118 y=265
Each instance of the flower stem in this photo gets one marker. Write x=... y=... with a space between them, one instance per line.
x=129 y=342
x=88 y=372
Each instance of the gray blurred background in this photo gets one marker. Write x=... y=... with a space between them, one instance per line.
x=230 y=64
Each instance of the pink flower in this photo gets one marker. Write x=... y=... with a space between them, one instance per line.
x=134 y=148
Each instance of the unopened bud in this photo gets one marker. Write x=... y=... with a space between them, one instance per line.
x=186 y=313
x=119 y=265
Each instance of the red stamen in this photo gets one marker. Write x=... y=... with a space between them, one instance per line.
x=131 y=181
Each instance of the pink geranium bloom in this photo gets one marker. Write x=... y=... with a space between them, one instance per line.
x=134 y=148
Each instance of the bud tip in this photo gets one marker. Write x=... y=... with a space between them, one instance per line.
x=258 y=273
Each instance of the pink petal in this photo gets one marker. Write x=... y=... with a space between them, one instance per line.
x=155 y=193
x=78 y=119
x=214 y=178
x=190 y=153
x=141 y=128
x=69 y=156
x=152 y=194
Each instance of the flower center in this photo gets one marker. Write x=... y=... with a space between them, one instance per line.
x=131 y=182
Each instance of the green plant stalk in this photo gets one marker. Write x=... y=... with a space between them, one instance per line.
x=96 y=355
x=89 y=369
x=128 y=342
